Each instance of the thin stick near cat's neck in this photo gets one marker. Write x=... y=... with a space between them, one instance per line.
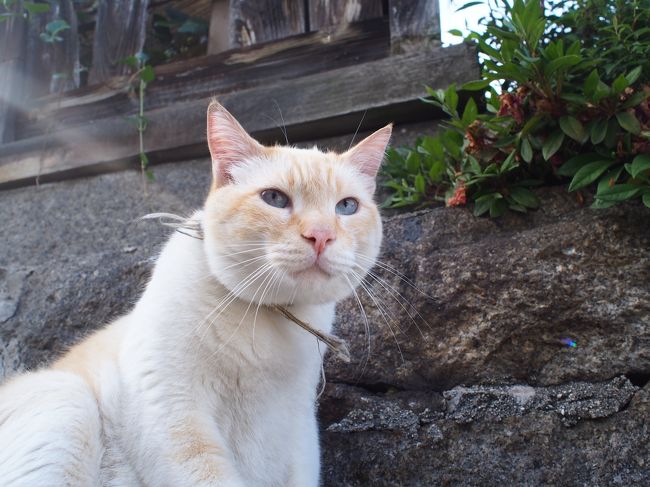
x=335 y=343
x=180 y=224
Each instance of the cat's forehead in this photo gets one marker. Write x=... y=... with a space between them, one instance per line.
x=309 y=170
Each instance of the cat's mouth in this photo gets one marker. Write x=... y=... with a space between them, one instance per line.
x=314 y=270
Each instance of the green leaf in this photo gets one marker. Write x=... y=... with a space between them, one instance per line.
x=451 y=97
x=588 y=174
x=600 y=205
x=475 y=85
x=147 y=74
x=524 y=197
x=574 y=98
x=562 y=62
x=619 y=84
x=573 y=128
x=131 y=61
x=56 y=26
x=552 y=144
x=420 y=184
x=455 y=32
x=144 y=160
x=432 y=146
x=468 y=5
x=598 y=131
x=516 y=207
x=608 y=179
x=602 y=91
x=628 y=122
x=619 y=192
x=640 y=164
x=526 y=150
x=497 y=208
x=470 y=113
x=483 y=203
x=437 y=170
x=591 y=82
x=150 y=175
x=34 y=8
x=646 y=199
x=509 y=164
x=413 y=162
x=612 y=133
x=633 y=75
x=570 y=167
x=634 y=100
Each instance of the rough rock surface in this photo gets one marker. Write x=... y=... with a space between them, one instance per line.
x=504 y=297
x=471 y=386
x=489 y=436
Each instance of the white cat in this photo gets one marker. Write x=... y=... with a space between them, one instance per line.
x=203 y=384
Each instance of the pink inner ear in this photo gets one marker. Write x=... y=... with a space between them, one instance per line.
x=368 y=154
x=229 y=143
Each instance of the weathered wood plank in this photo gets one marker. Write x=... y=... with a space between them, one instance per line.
x=255 y=21
x=12 y=39
x=312 y=106
x=119 y=33
x=413 y=20
x=328 y=14
x=52 y=67
x=219 y=36
x=221 y=73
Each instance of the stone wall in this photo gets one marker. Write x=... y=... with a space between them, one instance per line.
x=467 y=380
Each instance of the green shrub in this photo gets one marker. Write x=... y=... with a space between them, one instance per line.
x=566 y=100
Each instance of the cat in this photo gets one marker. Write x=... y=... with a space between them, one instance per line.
x=203 y=383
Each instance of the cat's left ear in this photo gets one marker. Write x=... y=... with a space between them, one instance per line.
x=229 y=143
x=368 y=154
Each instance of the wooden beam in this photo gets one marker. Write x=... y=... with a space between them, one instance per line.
x=119 y=33
x=13 y=39
x=329 y=14
x=413 y=21
x=52 y=67
x=255 y=21
x=219 y=37
x=201 y=77
x=313 y=106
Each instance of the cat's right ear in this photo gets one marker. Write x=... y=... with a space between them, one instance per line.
x=229 y=143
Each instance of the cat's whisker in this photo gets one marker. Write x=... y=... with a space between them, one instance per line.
x=246 y=262
x=243 y=252
x=379 y=307
x=284 y=125
x=234 y=295
x=278 y=284
x=227 y=342
x=276 y=273
x=268 y=277
x=395 y=272
x=365 y=322
x=228 y=299
x=397 y=296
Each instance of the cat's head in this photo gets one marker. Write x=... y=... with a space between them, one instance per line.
x=287 y=225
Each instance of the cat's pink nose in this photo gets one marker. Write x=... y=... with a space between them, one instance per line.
x=319 y=238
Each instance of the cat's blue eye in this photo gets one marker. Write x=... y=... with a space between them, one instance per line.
x=275 y=197
x=347 y=206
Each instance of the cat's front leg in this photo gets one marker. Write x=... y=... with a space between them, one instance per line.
x=305 y=467
x=186 y=451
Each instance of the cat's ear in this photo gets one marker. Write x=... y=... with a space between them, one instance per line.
x=368 y=154
x=229 y=143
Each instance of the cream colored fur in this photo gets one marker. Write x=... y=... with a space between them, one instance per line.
x=201 y=384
